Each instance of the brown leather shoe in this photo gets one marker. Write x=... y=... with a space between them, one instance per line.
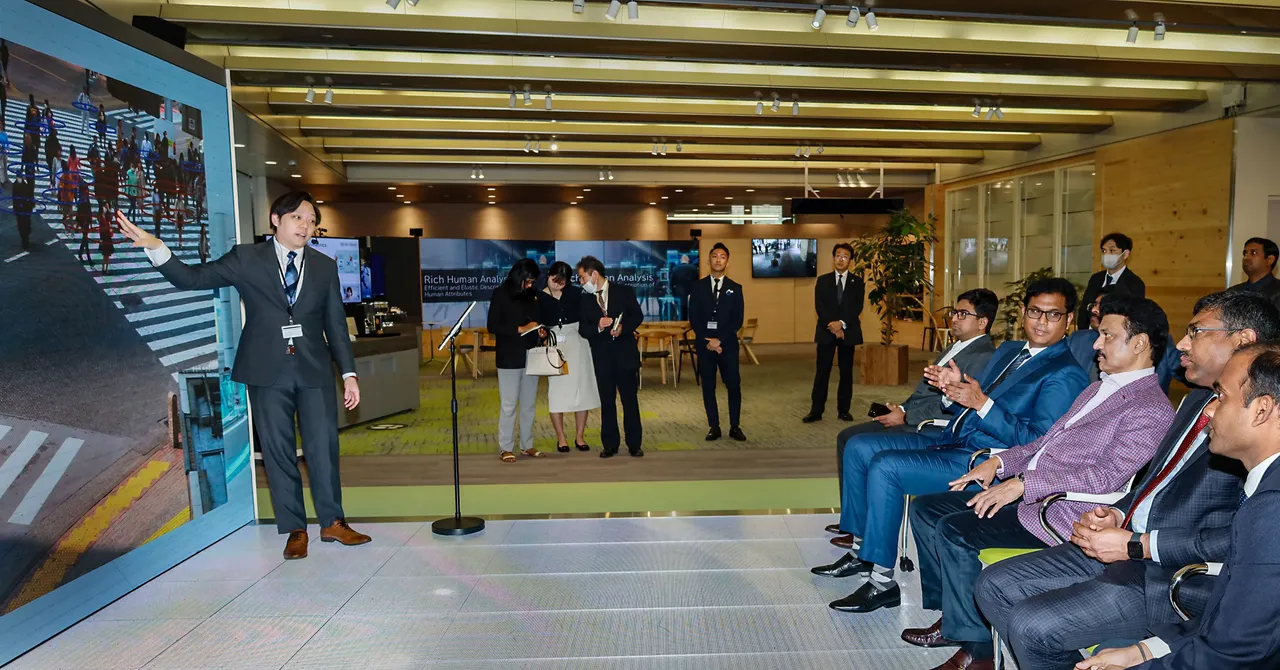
x=927 y=637
x=961 y=660
x=296 y=546
x=843 y=541
x=341 y=532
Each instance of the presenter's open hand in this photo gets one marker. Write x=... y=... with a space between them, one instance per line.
x=350 y=393
x=141 y=238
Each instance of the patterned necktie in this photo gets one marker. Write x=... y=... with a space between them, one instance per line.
x=291 y=279
x=1167 y=470
x=600 y=301
x=1243 y=497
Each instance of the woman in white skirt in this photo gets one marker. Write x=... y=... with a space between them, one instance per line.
x=560 y=305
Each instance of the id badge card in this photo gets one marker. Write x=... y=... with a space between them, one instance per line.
x=712 y=325
x=291 y=331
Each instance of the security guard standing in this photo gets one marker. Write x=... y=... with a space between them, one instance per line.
x=715 y=313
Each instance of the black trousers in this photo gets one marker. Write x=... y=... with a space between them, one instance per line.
x=727 y=362
x=822 y=377
x=275 y=409
x=24 y=230
x=949 y=536
x=614 y=382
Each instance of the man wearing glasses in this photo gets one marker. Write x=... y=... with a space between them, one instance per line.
x=971 y=321
x=1111 y=581
x=1025 y=388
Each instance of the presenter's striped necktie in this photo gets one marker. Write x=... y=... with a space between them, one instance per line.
x=291 y=279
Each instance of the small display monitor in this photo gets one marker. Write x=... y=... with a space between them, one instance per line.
x=345 y=251
x=784 y=258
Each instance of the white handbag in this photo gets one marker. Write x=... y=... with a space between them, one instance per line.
x=546 y=361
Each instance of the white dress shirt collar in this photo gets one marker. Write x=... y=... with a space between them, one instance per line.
x=1254 y=478
x=957 y=347
x=1122 y=379
x=1115 y=276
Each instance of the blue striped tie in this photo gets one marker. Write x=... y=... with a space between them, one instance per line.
x=291 y=279
x=1243 y=497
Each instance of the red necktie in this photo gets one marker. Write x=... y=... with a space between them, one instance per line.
x=1169 y=467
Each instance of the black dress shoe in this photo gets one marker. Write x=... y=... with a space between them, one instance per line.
x=868 y=599
x=637 y=453
x=713 y=434
x=582 y=447
x=737 y=434
x=810 y=418
x=847 y=566
x=835 y=529
x=606 y=453
x=562 y=448
x=845 y=416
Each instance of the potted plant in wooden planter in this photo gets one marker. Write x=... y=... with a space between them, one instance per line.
x=893 y=263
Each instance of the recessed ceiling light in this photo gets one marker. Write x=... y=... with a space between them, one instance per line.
x=407 y=202
x=573 y=203
x=239 y=146
x=399 y=195
x=751 y=190
x=586 y=190
x=728 y=197
x=711 y=204
x=695 y=209
x=493 y=203
x=391 y=188
x=492 y=188
x=653 y=203
x=296 y=176
x=665 y=197
x=319 y=202
x=271 y=162
x=679 y=190
x=788 y=198
x=581 y=197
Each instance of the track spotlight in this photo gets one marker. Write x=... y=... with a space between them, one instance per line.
x=413 y=3
x=664 y=148
x=872 y=24
x=806 y=152
x=999 y=114
x=1160 y=27
x=798 y=151
x=840 y=179
x=511 y=102
x=654 y=150
x=818 y=17
x=776 y=102
x=1132 y=37
x=328 y=96
x=528 y=97
x=548 y=103
x=633 y=10
x=537 y=146
x=601 y=174
x=759 y=104
x=679 y=147
x=795 y=106
x=610 y=174
x=311 y=94
x=820 y=149
x=394 y=4
x=854 y=15
x=554 y=145
x=991 y=111
x=473 y=173
x=614 y=7
x=579 y=6
x=481 y=172
x=977 y=109
x=528 y=144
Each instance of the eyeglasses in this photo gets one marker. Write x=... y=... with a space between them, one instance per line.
x=1034 y=313
x=1193 y=331
x=961 y=314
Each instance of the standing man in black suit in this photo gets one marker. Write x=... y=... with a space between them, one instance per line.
x=837 y=296
x=1116 y=248
x=1111 y=581
x=1259 y=265
x=715 y=313
x=610 y=316
x=294 y=332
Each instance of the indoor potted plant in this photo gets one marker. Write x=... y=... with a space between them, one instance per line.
x=894 y=264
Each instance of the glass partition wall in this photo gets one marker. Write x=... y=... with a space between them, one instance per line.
x=1035 y=221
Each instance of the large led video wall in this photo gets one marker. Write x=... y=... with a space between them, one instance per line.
x=456 y=272
x=120 y=430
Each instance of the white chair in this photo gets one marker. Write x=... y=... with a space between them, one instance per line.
x=905 y=564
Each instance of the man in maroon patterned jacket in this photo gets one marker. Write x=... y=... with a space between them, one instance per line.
x=1109 y=433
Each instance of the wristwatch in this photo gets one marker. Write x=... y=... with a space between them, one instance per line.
x=1135 y=547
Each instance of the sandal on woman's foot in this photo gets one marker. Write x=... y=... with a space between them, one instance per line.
x=563 y=448
x=582 y=447
x=508 y=457
x=533 y=453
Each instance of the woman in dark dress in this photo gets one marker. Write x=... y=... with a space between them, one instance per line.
x=513 y=322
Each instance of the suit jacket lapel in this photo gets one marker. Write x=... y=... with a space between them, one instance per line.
x=271 y=264
x=1186 y=417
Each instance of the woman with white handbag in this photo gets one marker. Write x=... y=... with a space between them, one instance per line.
x=513 y=322
x=575 y=389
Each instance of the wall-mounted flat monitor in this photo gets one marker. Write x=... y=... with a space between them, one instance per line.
x=345 y=251
x=784 y=258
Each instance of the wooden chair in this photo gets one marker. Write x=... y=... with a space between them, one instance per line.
x=937 y=331
x=664 y=354
x=688 y=347
x=747 y=336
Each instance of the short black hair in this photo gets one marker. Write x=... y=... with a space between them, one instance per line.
x=1142 y=316
x=290 y=202
x=591 y=263
x=843 y=245
x=1052 y=286
x=721 y=247
x=1242 y=310
x=1269 y=248
x=1264 y=371
x=985 y=303
x=1120 y=239
x=560 y=270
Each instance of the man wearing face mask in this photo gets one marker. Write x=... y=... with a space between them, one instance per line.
x=610 y=316
x=1116 y=274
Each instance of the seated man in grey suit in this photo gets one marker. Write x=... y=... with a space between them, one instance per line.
x=971 y=322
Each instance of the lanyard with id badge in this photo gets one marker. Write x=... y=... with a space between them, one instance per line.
x=292 y=330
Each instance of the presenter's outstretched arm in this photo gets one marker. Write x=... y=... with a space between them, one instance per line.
x=216 y=274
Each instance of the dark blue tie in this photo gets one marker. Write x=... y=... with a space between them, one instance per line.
x=291 y=279
x=1243 y=497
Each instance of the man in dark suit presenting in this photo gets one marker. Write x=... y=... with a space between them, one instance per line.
x=294 y=332
x=610 y=316
x=715 y=314
x=837 y=296
x=1116 y=249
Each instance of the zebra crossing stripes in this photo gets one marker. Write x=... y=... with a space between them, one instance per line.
x=182 y=356
x=18 y=460
x=184 y=338
x=39 y=492
x=174 y=325
x=170 y=311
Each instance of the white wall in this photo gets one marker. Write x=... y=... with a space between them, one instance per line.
x=1257 y=182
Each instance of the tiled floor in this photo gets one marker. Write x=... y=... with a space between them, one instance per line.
x=687 y=592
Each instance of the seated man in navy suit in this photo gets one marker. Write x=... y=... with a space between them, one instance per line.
x=1025 y=388
x=1238 y=628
